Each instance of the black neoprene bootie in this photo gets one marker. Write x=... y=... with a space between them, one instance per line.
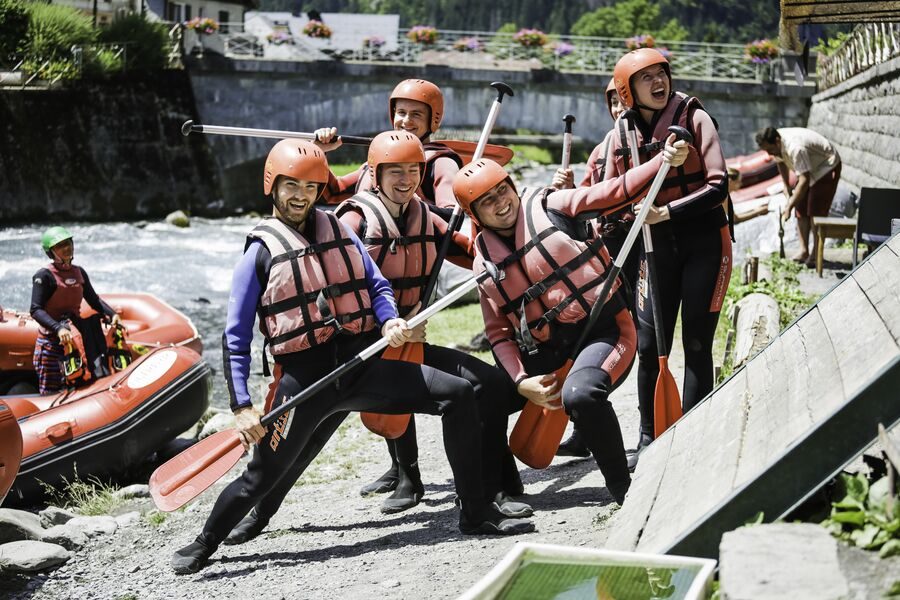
x=632 y=457
x=409 y=491
x=618 y=489
x=192 y=557
x=249 y=527
x=573 y=447
x=483 y=518
x=384 y=484
x=510 y=507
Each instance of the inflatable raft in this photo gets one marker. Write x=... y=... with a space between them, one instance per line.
x=109 y=425
x=756 y=167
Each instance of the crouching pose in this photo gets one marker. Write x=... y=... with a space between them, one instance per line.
x=551 y=271
x=319 y=298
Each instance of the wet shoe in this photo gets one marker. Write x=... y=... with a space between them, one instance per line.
x=618 y=490
x=384 y=484
x=573 y=447
x=192 y=557
x=409 y=492
x=249 y=527
x=632 y=456
x=511 y=508
x=487 y=520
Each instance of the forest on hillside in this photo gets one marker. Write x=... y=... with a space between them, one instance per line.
x=728 y=21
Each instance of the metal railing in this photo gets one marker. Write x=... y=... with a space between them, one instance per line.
x=868 y=45
x=100 y=52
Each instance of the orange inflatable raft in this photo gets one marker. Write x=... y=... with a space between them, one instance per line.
x=110 y=424
x=754 y=168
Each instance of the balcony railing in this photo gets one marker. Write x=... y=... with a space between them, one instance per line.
x=868 y=45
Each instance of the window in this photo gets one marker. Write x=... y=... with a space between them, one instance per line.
x=187 y=12
x=224 y=19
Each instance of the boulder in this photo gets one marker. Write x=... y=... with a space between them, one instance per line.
x=54 y=515
x=29 y=556
x=178 y=218
x=138 y=490
x=92 y=526
x=18 y=525
x=128 y=518
x=66 y=536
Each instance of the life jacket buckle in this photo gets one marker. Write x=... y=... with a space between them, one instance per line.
x=393 y=247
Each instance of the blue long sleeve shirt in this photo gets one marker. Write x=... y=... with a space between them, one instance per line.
x=251 y=276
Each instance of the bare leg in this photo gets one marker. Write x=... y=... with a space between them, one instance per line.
x=804 y=224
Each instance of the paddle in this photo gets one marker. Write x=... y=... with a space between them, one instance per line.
x=499 y=154
x=393 y=426
x=10 y=449
x=188 y=474
x=666 y=399
x=538 y=430
x=780 y=234
x=567 y=141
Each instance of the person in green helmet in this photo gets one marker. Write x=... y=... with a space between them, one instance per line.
x=56 y=295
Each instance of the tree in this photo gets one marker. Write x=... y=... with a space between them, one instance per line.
x=626 y=19
x=13 y=29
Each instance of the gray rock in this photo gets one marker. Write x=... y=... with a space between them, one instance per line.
x=70 y=538
x=217 y=423
x=128 y=518
x=17 y=525
x=138 y=490
x=178 y=218
x=30 y=556
x=789 y=561
x=92 y=526
x=54 y=515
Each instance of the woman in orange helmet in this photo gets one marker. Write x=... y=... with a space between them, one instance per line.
x=690 y=226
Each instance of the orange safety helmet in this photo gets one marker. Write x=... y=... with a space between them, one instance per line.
x=630 y=64
x=421 y=91
x=610 y=90
x=395 y=147
x=298 y=159
x=475 y=180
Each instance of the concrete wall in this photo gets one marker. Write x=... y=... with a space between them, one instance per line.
x=302 y=96
x=861 y=117
x=104 y=151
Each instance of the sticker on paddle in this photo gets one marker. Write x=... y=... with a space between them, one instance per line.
x=10 y=449
x=393 y=426
x=538 y=431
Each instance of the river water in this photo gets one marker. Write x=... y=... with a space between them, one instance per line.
x=190 y=268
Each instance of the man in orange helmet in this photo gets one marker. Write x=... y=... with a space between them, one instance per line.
x=551 y=271
x=313 y=323
x=690 y=227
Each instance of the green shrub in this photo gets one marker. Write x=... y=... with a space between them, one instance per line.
x=58 y=70
x=148 y=43
x=85 y=496
x=102 y=62
x=13 y=29
x=54 y=29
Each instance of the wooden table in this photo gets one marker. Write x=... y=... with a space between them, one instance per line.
x=831 y=227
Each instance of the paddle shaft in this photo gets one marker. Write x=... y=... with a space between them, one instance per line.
x=655 y=306
x=457 y=216
x=567 y=142
x=457 y=293
x=191 y=127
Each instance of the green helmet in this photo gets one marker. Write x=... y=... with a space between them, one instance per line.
x=54 y=236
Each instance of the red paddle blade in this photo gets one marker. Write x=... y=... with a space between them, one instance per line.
x=536 y=435
x=499 y=154
x=666 y=399
x=393 y=426
x=10 y=449
x=185 y=476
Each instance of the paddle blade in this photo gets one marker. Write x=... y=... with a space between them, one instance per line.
x=10 y=449
x=393 y=426
x=499 y=154
x=666 y=399
x=185 y=476
x=536 y=435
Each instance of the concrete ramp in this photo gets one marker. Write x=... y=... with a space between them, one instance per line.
x=780 y=427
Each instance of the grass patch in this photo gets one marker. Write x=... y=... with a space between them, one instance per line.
x=87 y=497
x=340 y=169
x=458 y=325
x=532 y=153
x=601 y=519
x=156 y=517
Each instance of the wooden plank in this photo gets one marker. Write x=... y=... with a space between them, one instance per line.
x=709 y=436
x=879 y=278
x=894 y=244
x=861 y=340
x=798 y=395
x=838 y=11
x=630 y=520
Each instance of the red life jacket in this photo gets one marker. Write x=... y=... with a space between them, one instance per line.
x=682 y=180
x=66 y=298
x=406 y=257
x=550 y=276
x=316 y=288
x=433 y=151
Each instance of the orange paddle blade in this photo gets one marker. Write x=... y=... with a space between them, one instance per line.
x=393 y=426
x=666 y=399
x=185 y=476
x=10 y=449
x=499 y=154
x=536 y=435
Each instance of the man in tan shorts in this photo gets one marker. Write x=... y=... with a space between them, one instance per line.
x=818 y=168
